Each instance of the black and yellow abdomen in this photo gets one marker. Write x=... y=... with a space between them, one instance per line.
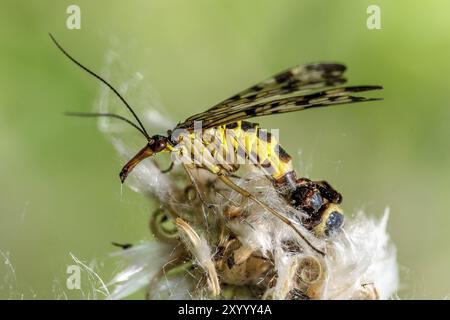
x=226 y=147
x=259 y=147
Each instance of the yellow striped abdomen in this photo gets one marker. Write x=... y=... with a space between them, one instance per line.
x=226 y=147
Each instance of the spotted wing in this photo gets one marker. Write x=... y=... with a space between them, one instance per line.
x=287 y=91
x=299 y=78
x=325 y=98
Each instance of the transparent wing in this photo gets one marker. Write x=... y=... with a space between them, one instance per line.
x=291 y=90
x=290 y=104
x=300 y=78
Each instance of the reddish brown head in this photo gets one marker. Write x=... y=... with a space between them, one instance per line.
x=155 y=144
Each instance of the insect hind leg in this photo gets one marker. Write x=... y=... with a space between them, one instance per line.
x=226 y=180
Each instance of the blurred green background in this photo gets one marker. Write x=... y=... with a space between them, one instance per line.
x=59 y=186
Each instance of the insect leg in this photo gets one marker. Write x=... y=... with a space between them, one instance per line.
x=168 y=169
x=197 y=188
x=287 y=221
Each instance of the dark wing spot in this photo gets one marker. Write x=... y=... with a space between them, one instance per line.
x=256 y=88
x=252 y=97
x=290 y=87
x=235 y=97
x=356 y=99
x=275 y=104
x=315 y=105
x=330 y=82
x=363 y=88
x=283 y=77
x=330 y=68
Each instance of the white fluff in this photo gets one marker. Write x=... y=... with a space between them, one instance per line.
x=200 y=250
x=364 y=254
x=144 y=261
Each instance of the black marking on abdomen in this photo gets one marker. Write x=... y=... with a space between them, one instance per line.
x=232 y=125
x=246 y=126
x=264 y=135
x=252 y=97
x=282 y=154
x=266 y=164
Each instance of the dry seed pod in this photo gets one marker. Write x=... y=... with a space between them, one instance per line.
x=310 y=276
x=199 y=248
x=309 y=270
x=190 y=194
x=234 y=274
x=161 y=228
x=238 y=265
x=285 y=274
x=242 y=254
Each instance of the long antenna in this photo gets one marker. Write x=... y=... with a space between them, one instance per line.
x=144 y=132
x=108 y=115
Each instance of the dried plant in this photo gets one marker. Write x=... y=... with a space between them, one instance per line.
x=236 y=250
x=210 y=242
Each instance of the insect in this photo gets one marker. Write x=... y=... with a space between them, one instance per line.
x=299 y=88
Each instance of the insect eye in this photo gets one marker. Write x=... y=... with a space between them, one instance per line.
x=334 y=222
